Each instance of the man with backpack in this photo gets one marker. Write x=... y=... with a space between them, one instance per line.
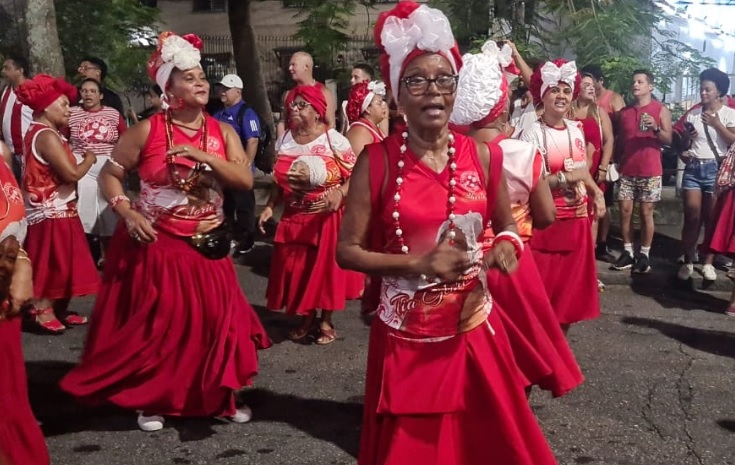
x=239 y=206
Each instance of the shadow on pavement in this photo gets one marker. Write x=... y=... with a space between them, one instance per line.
x=673 y=293
x=276 y=324
x=728 y=425
x=61 y=414
x=328 y=420
x=710 y=341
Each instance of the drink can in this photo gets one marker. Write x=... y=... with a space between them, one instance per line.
x=642 y=124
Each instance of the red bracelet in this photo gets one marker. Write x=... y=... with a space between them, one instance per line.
x=513 y=238
x=118 y=199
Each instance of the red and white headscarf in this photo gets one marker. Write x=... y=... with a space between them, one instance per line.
x=551 y=74
x=173 y=52
x=482 y=91
x=408 y=31
x=361 y=96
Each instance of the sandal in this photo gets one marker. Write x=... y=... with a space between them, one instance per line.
x=47 y=327
x=75 y=319
x=326 y=335
x=298 y=333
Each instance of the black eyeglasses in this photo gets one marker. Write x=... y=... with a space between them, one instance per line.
x=300 y=104
x=418 y=85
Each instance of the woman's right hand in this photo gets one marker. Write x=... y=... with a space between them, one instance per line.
x=265 y=215
x=139 y=228
x=445 y=262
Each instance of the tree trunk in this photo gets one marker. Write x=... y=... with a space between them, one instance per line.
x=41 y=37
x=247 y=61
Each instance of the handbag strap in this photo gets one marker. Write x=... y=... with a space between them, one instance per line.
x=711 y=144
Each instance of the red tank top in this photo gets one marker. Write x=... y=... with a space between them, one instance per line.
x=165 y=205
x=413 y=304
x=640 y=151
x=46 y=195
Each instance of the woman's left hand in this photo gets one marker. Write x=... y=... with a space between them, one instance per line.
x=190 y=152
x=333 y=200
x=21 y=286
x=501 y=256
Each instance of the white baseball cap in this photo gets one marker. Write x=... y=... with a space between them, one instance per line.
x=232 y=81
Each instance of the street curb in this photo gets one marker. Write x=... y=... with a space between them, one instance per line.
x=662 y=276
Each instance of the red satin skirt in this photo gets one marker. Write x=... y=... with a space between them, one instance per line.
x=21 y=439
x=62 y=263
x=454 y=402
x=721 y=238
x=539 y=346
x=565 y=257
x=304 y=274
x=171 y=334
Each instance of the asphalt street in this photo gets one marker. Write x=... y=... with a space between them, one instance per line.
x=659 y=390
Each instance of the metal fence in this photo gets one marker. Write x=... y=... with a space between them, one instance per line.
x=275 y=53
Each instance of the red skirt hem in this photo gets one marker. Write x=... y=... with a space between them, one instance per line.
x=62 y=262
x=455 y=402
x=21 y=439
x=540 y=348
x=171 y=333
x=304 y=274
x=565 y=257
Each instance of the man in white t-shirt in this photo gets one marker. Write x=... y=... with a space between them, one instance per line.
x=523 y=113
x=711 y=129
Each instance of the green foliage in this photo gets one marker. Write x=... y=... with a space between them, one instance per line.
x=324 y=27
x=106 y=28
x=620 y=35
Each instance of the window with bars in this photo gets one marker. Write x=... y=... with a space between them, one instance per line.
x=209 y=5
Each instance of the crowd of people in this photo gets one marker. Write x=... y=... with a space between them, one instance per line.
x=464 y=201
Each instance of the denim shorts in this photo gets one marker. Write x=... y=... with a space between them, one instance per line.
x=700 y=175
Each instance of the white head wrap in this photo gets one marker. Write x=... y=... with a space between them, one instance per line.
x=317 y=169
x=375 y=88
x=178 y=53
x=480 y=86
x=551 y=75
x=425 y=29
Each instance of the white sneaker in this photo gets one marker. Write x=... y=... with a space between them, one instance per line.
x=151 y=423
x=242 y=415
x=709 y=273
x=685 y=271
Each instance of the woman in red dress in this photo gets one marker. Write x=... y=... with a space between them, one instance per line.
x=312 y=170
x=721 y=238
x=564 y=252
x=442 y=386
x=367 y=109
x=541 y=350
x=21 y=439
x=172 y=333
x=62 y=263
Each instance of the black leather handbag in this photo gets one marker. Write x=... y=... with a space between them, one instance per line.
x=214 y=244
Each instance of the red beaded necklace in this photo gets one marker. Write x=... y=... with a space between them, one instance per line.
x=451 y=200
x=192 y=179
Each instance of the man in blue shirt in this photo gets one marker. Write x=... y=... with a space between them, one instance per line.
x=239 y=206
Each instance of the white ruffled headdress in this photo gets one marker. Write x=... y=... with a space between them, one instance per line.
x=375 y=88
x=480 y=87
x=552 y=75
x=425 y=29
x=173 y=52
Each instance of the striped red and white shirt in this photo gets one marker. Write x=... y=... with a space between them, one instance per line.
x=97 y=131
x=16 y=118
